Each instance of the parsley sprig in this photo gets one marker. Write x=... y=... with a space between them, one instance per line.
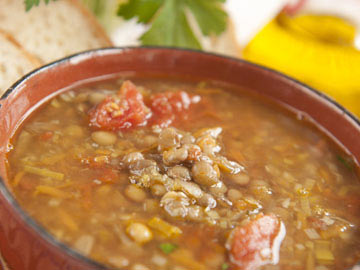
x=169 y=21
x=30 y=3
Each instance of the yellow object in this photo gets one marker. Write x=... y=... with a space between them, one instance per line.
x=44 y=172
x=164 y=227
x=17 y=178
x=315 y=49
x=321 y=27
x=323 y=251
x=51 y=191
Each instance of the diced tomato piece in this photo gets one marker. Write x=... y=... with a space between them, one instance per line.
x=124 y=111
x=317 y=223
x=168 y=106
x=108 y=175
x=256 y=243
x=47 y=135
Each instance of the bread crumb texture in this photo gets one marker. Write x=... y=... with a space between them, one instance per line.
x=14 y=61
x=52 y=31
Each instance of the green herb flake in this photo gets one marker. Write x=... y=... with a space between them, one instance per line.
x=30 y=3
x=346 y=161
x=225 y=266
x=167 y=248
x=169 y=21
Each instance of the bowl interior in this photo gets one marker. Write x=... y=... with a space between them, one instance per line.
x=26 y=94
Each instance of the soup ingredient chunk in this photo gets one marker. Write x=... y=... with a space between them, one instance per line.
x=257 y=243
x=139 y=232
x=189 y=185
x=204 y=173
x=169 y=105
x=103 y=137
x=124 y=110
x=127 y=109
x=165 y=228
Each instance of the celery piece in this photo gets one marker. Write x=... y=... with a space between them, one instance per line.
x=164 y=227
x=51 y=191
x=167 y=248
x=44 y=172
x=323 y=251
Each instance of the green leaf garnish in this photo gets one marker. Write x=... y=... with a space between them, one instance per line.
x=167 y=248
x=346 y=161
x=211 y=18
x=144 y=10
x=171 y=28
x=169 y=22
x=30 y=3
x=225 y=266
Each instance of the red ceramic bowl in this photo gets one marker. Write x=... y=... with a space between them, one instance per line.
x=27 y=246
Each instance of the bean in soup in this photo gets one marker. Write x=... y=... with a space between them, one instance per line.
x=157 y=174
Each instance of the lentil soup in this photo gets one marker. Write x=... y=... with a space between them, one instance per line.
x=159 y=174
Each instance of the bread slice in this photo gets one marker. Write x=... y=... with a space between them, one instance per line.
x=52 y=31
x=14 y=61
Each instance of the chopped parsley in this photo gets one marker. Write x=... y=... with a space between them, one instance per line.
x=167 y=248
x=225 y=266
x=169 y=20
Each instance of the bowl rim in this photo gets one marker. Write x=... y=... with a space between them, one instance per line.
x=37 y=227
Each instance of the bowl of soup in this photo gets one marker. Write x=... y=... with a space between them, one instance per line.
x=159 y=158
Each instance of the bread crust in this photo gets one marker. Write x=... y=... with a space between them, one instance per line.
x=33 y=59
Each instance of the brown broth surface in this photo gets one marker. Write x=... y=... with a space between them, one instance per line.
x=82 y=194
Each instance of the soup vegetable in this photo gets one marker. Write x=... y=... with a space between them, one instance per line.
x=158 y=174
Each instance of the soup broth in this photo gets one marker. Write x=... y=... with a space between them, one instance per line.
x=158 y=174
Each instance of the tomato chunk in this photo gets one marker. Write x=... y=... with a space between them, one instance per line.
x=47 y=135
x=256 y=243
x=168 y=106
x=124 y=111
x=127 y=109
